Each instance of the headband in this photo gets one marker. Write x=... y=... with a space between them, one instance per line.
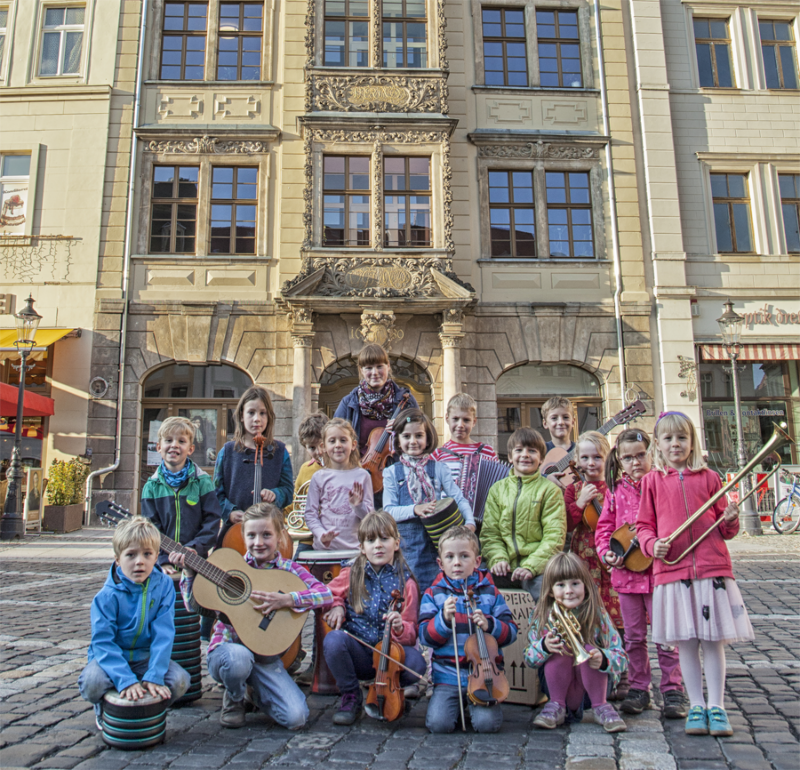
x=677 y=414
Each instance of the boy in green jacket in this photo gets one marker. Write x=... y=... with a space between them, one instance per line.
x=525 y=520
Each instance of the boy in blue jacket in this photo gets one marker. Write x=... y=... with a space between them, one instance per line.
x=459 y=559
x=133 y=624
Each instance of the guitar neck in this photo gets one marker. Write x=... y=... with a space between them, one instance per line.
x=194 y=561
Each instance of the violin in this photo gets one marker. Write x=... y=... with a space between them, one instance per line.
x=591 y=514
x=487 y=682
x=385 y=699
x=379 y=448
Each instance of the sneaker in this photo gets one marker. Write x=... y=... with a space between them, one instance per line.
x=696 y=721
x=607 y=716
x=98 y=716
x=718 y=724
x=232 y=714
x=551 y=716
x=676 y=705
x=636 y=702
x=349 y=708
x=411 y=692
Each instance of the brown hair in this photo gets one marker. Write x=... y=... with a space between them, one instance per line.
x=354 y=461
x=567 y=566
x=415 y=415
x=173 y=425
x=253 y=393
x=613 y=468
x=460 y=532
x=265 y=511
x=310 y=430
x=374 y=525
x=462 y=401
x=372 y=355
x=527 y=437
x=135 y=531
x=556 y=402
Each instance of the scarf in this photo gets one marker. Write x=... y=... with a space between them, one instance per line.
x=376 y=406
x=420 y=486
x=176 y=480
x=637 y=485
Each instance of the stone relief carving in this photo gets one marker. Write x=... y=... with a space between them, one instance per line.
x=301 y=315
x=688 y=372
x=377 y=93
x=540 y=149
x=203 y=145
x=441 y=32
x=378 y=326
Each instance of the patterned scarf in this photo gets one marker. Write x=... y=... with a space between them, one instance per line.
x=176 y=480
x=376 y=406
x=637 y=485
x=420 y=486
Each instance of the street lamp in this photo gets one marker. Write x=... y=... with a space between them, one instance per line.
x=730 y=326
x=12 y=524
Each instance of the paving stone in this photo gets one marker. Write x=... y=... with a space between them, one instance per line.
x=701 y=764
x=590 y=763
x=24 y=754
x=744 y=756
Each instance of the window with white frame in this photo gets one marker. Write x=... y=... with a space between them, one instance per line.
x=3 y=31
x=62 y=40
x=790 y=205
x=731 y=200
x=15 y=173
x=778 y=53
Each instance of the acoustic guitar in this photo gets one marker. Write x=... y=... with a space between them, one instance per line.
x=556 y=461
x=225 y=582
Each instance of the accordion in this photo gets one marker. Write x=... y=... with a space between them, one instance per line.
x=478 y=474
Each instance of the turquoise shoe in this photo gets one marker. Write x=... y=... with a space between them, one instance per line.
x=697 y=721
x=718 y=724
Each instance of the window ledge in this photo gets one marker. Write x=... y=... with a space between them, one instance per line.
x=213 y=83
x=543 y=261
x=535 y=90
x=369 y=251
x=184 y=259
x=324 y=69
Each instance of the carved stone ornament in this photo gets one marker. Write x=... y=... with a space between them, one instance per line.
x=688 y=372
x=204 y=145
x=301 y=315
x=377 y=93
x=540 y=149
x=377 y=327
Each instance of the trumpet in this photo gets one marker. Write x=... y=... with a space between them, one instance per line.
x=296 y=518
x=563 y=623
x=779 y=439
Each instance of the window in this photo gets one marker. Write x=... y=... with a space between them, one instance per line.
x=183 y=48
x=404 y=34
x=559 y=49
x=234 y=202
x=240 y=27
x=407 y=202
x=511 y=214
x=173 y=219
x=346 y=201
x=790 y=203
x=346 y=33
x=777 y=48
x=713 y=45
x=62 y=41
x=731 y=213
x=569 y=214
x=14 y=187
x=504 y=58
x=3 y=30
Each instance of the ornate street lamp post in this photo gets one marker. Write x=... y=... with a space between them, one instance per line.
x=12 y=524
x=730 y=325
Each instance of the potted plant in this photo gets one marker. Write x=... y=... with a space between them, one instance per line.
x=65 y=484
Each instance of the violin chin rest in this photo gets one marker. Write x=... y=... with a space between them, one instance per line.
x=482 y=698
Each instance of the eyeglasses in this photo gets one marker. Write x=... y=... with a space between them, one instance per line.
x=630 y=459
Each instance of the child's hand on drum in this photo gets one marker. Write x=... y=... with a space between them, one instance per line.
x=134 y=692
x=326 y=538
x=356 y=494
x=424 y=509
x=157 y=690
x=335 y=617
x=500 y=569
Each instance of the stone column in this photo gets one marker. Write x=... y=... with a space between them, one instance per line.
x=451 y=334
x=302 y=341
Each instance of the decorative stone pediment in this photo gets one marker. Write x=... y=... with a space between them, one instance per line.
x=377 y=93
x=205 y=145
x=538 y=150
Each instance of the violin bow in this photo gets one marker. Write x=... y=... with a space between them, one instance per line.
x=458 y=673
x=421 y=677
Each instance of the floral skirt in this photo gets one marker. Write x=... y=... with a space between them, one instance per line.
x=710 y=609
x=583 y=546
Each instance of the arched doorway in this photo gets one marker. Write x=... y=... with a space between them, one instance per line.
x=522 y=391
x=342 y=376
x=206 y=394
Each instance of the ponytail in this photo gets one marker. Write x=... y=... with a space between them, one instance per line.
x=613 y=468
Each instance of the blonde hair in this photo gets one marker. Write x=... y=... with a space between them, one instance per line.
x=556 y=402
x=376 y=524
x=354 y=461
x=137 y=530
x=676 y=421
x=173 y=425
x=254 y=393
x=462 y=401
x=568 y=566
x=310 y=430
x=264 y=511
x=596 y=439
x=460 y=532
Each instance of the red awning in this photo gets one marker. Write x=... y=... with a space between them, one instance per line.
x=767 y=352
x=34 y=405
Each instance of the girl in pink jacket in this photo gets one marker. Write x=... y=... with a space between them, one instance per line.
x=626 y=465
x=696 y=601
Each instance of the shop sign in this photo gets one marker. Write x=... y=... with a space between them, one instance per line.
x=745 y=413
x=766 y=317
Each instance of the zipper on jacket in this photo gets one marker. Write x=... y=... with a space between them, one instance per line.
x=688 y=516
x=178 y=515
x=141 y=617
x=514 y=519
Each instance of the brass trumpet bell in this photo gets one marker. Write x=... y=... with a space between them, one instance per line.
x=562 y=622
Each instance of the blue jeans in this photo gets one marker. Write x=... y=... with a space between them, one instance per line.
x=419 y=551
x=276 y=694
x=94 y=683
x=444 y=713
x=350 y=661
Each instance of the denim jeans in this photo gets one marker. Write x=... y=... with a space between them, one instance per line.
x=276 y=694
x=419 y=551
x=350 y=661
x=444 y=714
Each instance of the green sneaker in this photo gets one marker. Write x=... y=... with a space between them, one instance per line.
x=718 y=724
x=697 y=721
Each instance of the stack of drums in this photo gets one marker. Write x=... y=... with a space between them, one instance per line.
x=133 y=725
x=186 y=647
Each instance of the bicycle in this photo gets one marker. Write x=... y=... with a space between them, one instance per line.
x=786 y=516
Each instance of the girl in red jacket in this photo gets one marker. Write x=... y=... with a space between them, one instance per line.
x=626 y=466
x=696 y=601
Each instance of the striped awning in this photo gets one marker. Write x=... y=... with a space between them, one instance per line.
x=766 y=352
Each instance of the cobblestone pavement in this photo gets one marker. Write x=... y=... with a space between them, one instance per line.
x=46 y=586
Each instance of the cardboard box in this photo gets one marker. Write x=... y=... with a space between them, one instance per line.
x=523 y=681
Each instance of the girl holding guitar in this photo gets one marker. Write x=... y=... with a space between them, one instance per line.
x=373 y=404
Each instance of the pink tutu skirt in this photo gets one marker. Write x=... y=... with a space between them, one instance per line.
x=711 y=609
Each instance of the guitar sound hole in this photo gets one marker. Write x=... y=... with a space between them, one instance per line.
x=234 y=588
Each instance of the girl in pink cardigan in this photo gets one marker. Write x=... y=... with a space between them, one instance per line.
x=626 y=465
x=696 y=601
